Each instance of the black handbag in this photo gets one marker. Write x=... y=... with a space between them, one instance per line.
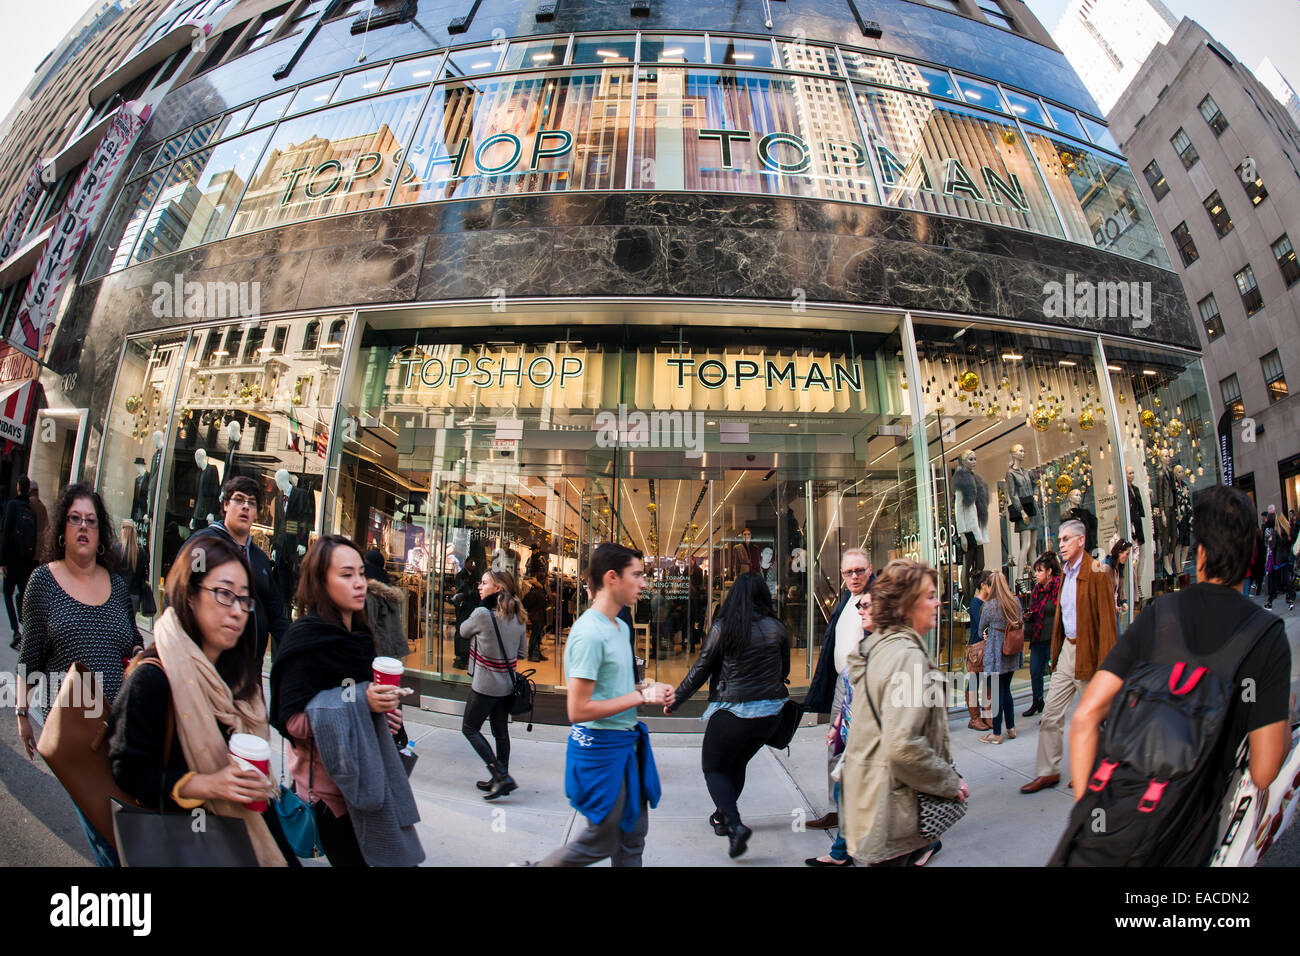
x=790 y=714
x=525 y=691
x=152 y=838
x=1027 y=505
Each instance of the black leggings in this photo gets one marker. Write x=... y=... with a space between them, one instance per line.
x=337 y=838
x=730 y=742
x=481 y=707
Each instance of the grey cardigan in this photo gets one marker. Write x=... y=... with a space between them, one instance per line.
x=493 y=677
x=995 y=662
x=358 y=752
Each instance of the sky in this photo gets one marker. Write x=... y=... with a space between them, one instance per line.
x=1251 y=29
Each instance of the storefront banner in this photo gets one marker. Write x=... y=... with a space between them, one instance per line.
x=13 y=414
x=51 y=272
x=1225 y=447
x=23 y=206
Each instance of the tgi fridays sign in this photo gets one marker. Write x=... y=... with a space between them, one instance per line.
x=49 y=278
x=26 y=202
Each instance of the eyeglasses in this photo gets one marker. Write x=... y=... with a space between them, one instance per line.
x=90 y=521
x=242 y=501
x=851 y=572
x=228 y=598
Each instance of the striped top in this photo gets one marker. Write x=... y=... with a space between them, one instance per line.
x=493 y=675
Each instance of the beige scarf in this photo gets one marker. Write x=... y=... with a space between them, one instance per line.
x=201 y=698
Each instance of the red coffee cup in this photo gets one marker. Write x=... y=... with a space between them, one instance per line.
x=388 y=670
x=252 y=753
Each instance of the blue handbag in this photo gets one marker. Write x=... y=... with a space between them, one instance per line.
x=296 y=817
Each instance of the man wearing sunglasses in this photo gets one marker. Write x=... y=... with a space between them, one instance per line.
x=843 y=633
x=241 y=499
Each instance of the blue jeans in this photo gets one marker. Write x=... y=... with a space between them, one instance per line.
x=101 y=849
x=1039 y=654
x=839 y=849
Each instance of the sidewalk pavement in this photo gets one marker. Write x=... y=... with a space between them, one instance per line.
x=783 y=790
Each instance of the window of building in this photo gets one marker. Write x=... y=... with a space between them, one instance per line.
x=253 y=345
x=303 y=16
x=1254 y=186
x=1218 y=214
x=1209 y=309
x=1156 y=180
x=1230 y=391
x=1249 y=290
x=311 y=336
x=981 y=94
x=335 y=339
x=1274 y=377
x=220 y=48
x=1026 y=107
x=279 y=339
x=1286 y=260
x=1213 y=115
x=1065 y=120
x=349 y=9
x=1184 y=148
x=1186 y=247
x=995 y=15
x=265 y=30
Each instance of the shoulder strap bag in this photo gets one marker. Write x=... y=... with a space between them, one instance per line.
x=524 y=691
x=934 y=814
x=296 y=817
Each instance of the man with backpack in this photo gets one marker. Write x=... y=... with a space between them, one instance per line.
x=1197 y=672
x=18 y=553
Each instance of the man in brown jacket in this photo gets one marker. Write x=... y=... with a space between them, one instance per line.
x=1082 y=635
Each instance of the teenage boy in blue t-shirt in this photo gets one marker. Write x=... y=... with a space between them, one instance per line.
x=610 y=774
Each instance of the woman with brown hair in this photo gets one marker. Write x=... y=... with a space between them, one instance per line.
x=496 y=630
x=323 y=700
x=898 y=745
x=200 y=677
x=1038 y=624
x=1001 y=611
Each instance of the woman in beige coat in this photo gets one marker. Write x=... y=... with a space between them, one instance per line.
x=885 y=767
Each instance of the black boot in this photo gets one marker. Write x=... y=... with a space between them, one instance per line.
x=486 y=785
x=739 y=839
x=1035 y=708
x=502 y=783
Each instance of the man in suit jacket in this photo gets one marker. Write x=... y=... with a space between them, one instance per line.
x=1083 y=633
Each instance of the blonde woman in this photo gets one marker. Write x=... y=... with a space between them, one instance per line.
x=135 y=570
x=898 y=740
x=1001 y=610
x=496 y=630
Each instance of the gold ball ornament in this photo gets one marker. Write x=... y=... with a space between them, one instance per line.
x=1148 y=418
x=1174 y=428
x=1063 y=485
x=1086 y=419
x=133 y=404
x=969 y=381
x=993 y=410
x=1041 y=418
x=1156 y=400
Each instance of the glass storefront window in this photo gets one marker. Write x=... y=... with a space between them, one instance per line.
x=1098 y=199
x=871 y=68
x=531 y=133
x=1100 y=134
x=233 y=122
x=1170 y=456
x=135 y=429
x=170 y=150
x=673 y=49
x=928 y=80
x=311 y=97
x=471 y=62
x=197 y=200
x=1026 y=108
x=264 y=416
x=738 y=52
x=980 y=94
x=604 y=50
x=945 y=158
x=537 y=54
x=1020 y=441
x=808 y=57
x=270 y=110
x=143 y=162
x=417 y=72
x=523 y=447
x=336 y=161
x=124 y=224
x=749 y=132
x=360 y=83
x=1064 y=120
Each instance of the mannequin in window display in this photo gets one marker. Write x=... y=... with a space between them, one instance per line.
x=155 y=469
x=1136 y=509
x=290 y=529
x=971 y=516
x=1078 y=512
x=1183 y=517
x=1021 y=510
x=140 y=496
x=207 y=489
x=233 y=432
x=743 y=556
x=1165 y=512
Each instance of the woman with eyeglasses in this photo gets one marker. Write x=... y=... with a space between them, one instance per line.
x=76 y=610
x=201 y=680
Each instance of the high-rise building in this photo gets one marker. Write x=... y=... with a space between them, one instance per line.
x=1280 y=87
x=487 y=284
x=1106 y=41
x=1221 y=174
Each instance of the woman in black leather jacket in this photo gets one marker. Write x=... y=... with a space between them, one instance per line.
x=746 y=659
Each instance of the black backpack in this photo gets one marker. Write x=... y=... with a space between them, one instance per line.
x=1157 y=786
x=24 y=535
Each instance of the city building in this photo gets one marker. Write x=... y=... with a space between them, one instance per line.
x=1280 y=87
x=1106 y=41
x=1221 y=174
x=487 y=284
